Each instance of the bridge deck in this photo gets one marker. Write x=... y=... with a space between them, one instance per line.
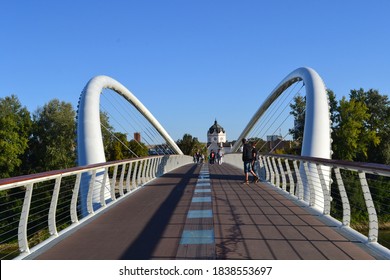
x=173 y=218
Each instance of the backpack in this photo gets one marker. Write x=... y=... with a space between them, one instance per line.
x=247 y=153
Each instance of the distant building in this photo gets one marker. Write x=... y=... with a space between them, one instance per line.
x=277 y=142
x=216 y=134
x=216 y=139
x=137 y=137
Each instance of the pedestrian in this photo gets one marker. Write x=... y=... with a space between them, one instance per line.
x=197 y=156
x=247 y=159
x=219 y=156
x=254 y=161
x=212 y=157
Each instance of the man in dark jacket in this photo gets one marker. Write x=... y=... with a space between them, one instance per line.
x=247 y=159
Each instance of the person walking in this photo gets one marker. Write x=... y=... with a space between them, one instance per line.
x=247 y=159
x=212 y=157
x=219 y=156
x=254 y=162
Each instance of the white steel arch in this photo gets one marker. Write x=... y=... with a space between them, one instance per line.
x=90 y=149
x=317 y=133
x=89 y=135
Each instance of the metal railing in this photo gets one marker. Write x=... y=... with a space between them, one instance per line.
x=38 y=209
x=354 y=196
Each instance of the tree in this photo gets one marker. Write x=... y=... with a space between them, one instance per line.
x=107 y=134
x=53 y=141
x=136 y=148
x=189 y=145
x=378 y=123
x=15 y=127
x=351 y=138
x=298 y=110
x=333 y=105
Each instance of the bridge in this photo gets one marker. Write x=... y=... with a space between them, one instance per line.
x=168 y=207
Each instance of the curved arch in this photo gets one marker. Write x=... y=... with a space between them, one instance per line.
x=316 y=134
x=89 y=135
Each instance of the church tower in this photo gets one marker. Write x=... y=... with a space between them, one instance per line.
x=216 y=135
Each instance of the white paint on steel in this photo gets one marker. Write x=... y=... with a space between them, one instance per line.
x=89 y=135
x=316 y=139
x=316 y=134
x=90 y=148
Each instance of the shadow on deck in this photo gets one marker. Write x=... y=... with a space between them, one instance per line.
x=246 y=222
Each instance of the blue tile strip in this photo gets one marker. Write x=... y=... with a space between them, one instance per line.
x=192 y=214
x=197 y=237
x=201 y=199
x=202 y=191
x=202 y=185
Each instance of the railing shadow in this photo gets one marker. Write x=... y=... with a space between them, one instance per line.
x=146 y=242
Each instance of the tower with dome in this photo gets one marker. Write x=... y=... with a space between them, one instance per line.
x=216 y=138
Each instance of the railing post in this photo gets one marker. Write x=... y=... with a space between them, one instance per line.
x=299 y=181
x=103 y=187
x=290 y=177
x=267 y=171
x=145 y=176
x=128 y=178
x=134 y=177
x=140 y=170
x=261 y=172
x=113 y=182
x=154 y=169
x=277 y=174
x=73 y=203
x=325 y=191
x=372 y=217
x=344 y=198
x=22 y=229
x=309 y=194
x=282 y=174
x=151 y=168
x=90 y=192
x=272 y=174
x=121 y=193
x=53 y=208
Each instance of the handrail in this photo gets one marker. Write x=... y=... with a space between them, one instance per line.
x=330 y=193
x=39 y=208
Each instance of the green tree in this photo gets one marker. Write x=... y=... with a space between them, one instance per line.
x=107 y=134
x=188 y=144
x=53 y=142
x=298 y=110
x=333 y=106
x=136 y=148
x=116 y=147
x=15 y=128
x=378 y=123
x=351 y=138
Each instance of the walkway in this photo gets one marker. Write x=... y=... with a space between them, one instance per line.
x=173 y=218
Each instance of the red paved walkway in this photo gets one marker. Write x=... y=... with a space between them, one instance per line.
x=248 y=222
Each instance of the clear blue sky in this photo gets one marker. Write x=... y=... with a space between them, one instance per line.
x=207 y=59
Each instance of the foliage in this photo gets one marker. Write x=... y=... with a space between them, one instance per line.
x=189 y=145
x=352 y=136
x=298 y=110
x=52 y=144
x=136 y=148
x=360 y=126
x=378 y=122
x=107 y=132
x=15 y=127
